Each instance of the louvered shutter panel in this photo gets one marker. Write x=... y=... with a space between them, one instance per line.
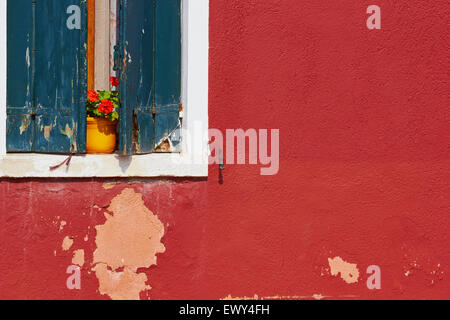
x=19 y=136
x=136 y=75
x=150 y=72
x=168 y=72
x=47 y=55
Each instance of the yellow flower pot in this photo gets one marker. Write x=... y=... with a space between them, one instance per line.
x=101 y=136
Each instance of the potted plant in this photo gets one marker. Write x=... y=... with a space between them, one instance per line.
x=102 y=118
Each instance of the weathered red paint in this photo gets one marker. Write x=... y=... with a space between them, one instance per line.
x=364 y=166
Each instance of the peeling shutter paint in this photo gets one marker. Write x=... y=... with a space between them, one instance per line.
x=46 y=77
x=150 y=61
x=19 y=80
x=137 y=89
x=167 y=72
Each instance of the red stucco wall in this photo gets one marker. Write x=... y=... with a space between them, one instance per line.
x=364 y=167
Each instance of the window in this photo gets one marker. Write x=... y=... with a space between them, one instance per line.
x=162 y=60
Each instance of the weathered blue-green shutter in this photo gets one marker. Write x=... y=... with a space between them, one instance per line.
x=150 y=40
x=167 y=71
x=51 y=54
x=137 y=89
x=19 y=135
x=60 y=81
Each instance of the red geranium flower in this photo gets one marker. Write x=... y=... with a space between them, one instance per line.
x=106 y=107
x=92 y=96
x=114 y=81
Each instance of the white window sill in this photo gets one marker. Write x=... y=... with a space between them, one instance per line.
x=103 y=166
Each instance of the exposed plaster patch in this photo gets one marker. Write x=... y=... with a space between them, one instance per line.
x=129 y=240
x=67 y=243
x=78 y=258
x=125 y=285
x=62 y=225
x=349 y=271
x=278 y=297
x=109 y=185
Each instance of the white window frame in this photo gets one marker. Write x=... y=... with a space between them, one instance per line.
x=192 y=161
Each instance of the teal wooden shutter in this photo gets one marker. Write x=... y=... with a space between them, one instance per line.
x=168 y=72
x=46 y=84
x=150 y=72
x=137 y=89
x=19 y=75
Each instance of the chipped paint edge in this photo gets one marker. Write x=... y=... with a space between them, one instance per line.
x=195 y=56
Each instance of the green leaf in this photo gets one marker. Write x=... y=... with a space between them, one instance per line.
x=104 y=95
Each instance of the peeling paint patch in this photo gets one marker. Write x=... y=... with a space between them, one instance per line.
x=70 y=134
x=349 y=271
x=129 y=240
x=125 y=285
x=27 y=57
x=277 y=297
x=78 y=258
x=47 y=131
x=109 y=185
x=164 y=146
x=25 y=124
x=62 y=225
x=67 y=243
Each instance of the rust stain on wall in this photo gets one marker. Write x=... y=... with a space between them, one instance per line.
x=349 y=271
x=129 y=240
